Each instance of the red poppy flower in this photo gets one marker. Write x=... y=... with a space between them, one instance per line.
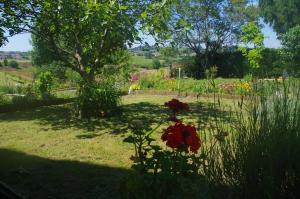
x=181 y=136
x=176 y=106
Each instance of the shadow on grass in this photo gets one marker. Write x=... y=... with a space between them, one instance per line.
x=60 y=117
x=37 y=177
x=204 y=112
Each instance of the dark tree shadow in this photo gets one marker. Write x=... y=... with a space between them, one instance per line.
x=206 y=111
x=36 y=177
x=61 y=117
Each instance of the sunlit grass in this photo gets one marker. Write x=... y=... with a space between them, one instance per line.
x=47 y=138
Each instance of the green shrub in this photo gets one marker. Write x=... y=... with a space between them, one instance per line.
x=8 y=89
x=3 y=99
x=149 y=81
x=30 y=92
x=148 y=55
x=99 y=99
x=73 y=77
x=57 y=69
x=5 y=62
x=45 y=84
x=13 y=64
x=156 y=64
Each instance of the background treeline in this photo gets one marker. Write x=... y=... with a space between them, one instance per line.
x=232 y=64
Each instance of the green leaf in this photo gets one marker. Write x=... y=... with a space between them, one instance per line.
x=144 y=14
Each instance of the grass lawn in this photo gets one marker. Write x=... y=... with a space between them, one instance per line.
x=141 y=61
x=46 y=153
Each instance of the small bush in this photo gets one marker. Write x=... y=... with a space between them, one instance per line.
x=156 y=64
x=99 y=99
x=5 y=62
x=3 y=99
x=57 y=69
x=45 y=84
x=13 y=64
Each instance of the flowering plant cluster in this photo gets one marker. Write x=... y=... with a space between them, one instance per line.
x=182 y=161
x=243 y=87
x=135 y=87
x=134 y=77
x=236 y=87
x=227 y=87
x=181 y=138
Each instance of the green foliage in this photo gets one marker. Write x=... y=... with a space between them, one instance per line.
x=2 y=37
x=211 y=73
x=120 y=66
x=273 y=63
x=5 y=62
x=57 y=69
x=45 y=83
x=144 y=186
x=98 y=99
x=13 y=64
x=101 y=29
x=280 y=14
x=188 y=85
x=230 y=65
x=148 y=55
x=9 y=89
x=84 y=35
x=206 y=26
x=252 y=35
x=168 y=54
x=158 y=167
x=260 y=159
x=156 y=64
x=3 y=98
x=291 y=48
x=1 y=64
x=73 y=77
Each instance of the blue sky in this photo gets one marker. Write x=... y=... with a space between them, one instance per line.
x=22 y=42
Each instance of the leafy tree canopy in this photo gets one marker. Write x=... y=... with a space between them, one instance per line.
x=291 y=47
x=83 y=34
x=206 y=26
x=252 y=37
x=280 y=14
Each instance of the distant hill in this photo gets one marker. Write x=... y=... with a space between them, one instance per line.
x=14 y=55
x=143 y=48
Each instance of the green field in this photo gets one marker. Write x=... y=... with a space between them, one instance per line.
x=24 y=71
x=50 y=154
x=141 y=61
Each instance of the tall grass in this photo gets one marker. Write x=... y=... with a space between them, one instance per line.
x=261 y=156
